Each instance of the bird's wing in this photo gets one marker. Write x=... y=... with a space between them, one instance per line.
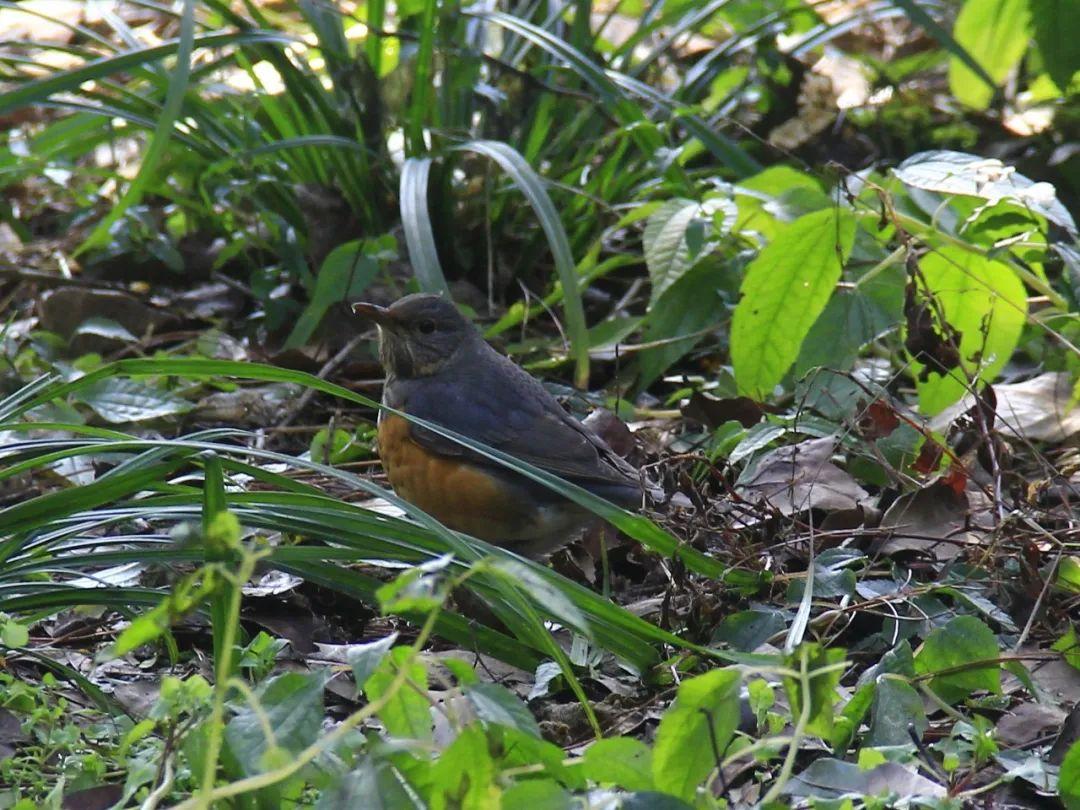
x=498 y=404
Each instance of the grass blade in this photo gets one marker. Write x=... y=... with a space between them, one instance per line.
x=532 y=187
x=174 y=98
x=42 y=89
x=416 y=222
x=918 y=15
x=214 y=505
x=421 y=106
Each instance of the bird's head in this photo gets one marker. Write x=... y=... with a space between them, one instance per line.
x=418 y=334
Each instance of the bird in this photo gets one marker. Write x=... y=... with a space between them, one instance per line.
x=439 y=368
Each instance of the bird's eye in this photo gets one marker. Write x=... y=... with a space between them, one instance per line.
x=427 y=326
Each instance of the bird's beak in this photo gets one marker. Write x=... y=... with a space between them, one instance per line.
x=373 y=312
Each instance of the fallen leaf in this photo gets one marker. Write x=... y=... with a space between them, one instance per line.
x=715 y=411
x=1028 y=722
x=798 y=477
x=832 y=779
x=1039 y=409
x=932 y=521
x=98 y=320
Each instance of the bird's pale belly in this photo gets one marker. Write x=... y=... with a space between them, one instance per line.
x=471 y=499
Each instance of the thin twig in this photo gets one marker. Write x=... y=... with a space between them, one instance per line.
x=1038 y=602
x=324 y=372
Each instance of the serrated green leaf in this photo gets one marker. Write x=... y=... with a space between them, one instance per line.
x=666 y=243
x=785 y=290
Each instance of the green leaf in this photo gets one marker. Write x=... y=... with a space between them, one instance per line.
x=695 y=730
x=977 y=295
x=1069 y=646
x=345 y=273
x=921 y=17
x=372 y=784
x=747 y=630
x=407 y=713
x=761 y=697
x=785 y=290
x=543 y=592
x=222 y=534
x=411 y=592
x=1068 y=574
x=13 y=634
x=464 y=774
x=963 y=641
x=995 y=33
x=339 y=446
x=163 y=130
x=1057 y=33
x=620 y=761
x=119 y=400
x=1069 y=778
x=896 y=705
x=365 y=658
x=186 y=596
x=959 y=173
x=822 y=691
x=538 y=794
x=423 y=112
x=651 y=800
x=494 y=703
x=290 y=707
x=851 y=319
x=517 y=749
x=668 y=253
x=678 y=320
x=724 y=149
x=776 y=181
